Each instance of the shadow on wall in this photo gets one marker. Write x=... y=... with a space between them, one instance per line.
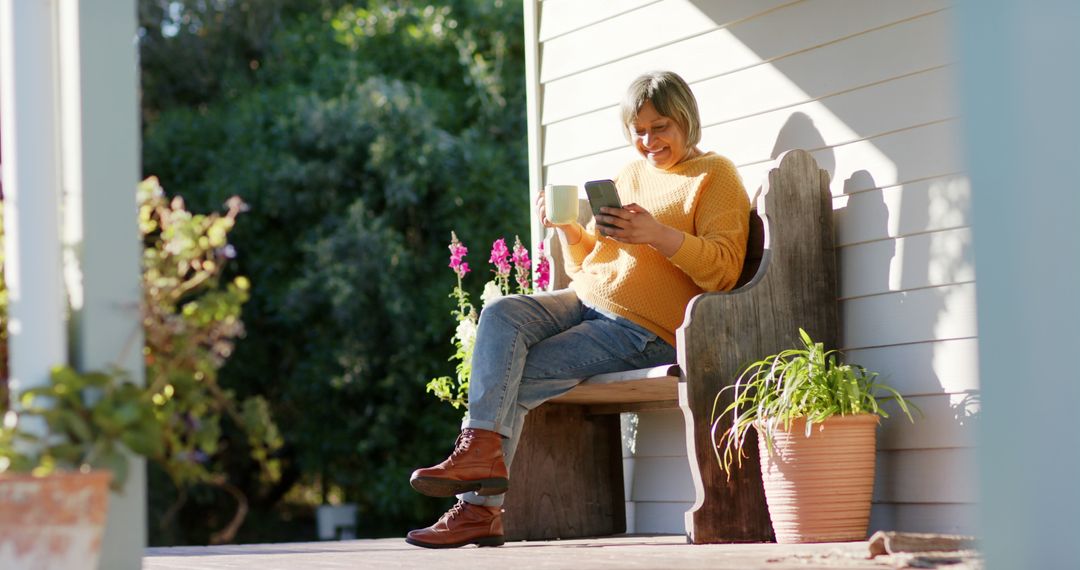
x=799 y=131
x=874 y=270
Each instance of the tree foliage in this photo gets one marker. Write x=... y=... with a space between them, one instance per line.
x=359 y=136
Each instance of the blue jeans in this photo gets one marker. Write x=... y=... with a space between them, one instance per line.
x=531 y=348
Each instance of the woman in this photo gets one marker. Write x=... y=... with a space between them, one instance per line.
x=682 y=231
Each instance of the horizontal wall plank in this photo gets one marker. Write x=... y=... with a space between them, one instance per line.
x=578 y=171
x=936 y=313
x=922 y=260
x=912 y=154
x=946 y=421
x=946 y=366
x=834 y=120
x=660 y=518
x=935 y=518
x=899 y=50
x=917 y=153
x=897 y=158
x=614 y=38
x=558 y=17
x=823 y=124
x=744 y=45
x=661 y=434
x=926 y=476
x=922 y=206
x=603 y=87
x=662 y=479
x=639 y=31
x=565 y=140
x=806 y=25
x=772 y=86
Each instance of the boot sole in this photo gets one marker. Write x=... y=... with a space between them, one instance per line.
x=481 y=542
x=434 y=487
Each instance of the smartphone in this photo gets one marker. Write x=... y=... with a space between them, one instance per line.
x=602 y=194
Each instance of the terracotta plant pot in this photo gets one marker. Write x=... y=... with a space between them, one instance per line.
x=54 y=521
x=818 y=488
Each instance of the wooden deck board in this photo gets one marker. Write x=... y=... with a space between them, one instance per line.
x=623 y=552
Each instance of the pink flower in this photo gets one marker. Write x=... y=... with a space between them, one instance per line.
x=457 y=254
x=543 y=270
x=522 y=262
x=499 y=255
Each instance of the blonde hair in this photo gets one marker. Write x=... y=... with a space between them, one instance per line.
x=672 y=98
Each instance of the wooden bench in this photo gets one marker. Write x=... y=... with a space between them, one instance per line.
x=566 y=479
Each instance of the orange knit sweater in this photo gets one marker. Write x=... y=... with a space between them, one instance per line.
x=702 y=197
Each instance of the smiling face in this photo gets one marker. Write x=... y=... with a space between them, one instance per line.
x=658 y=138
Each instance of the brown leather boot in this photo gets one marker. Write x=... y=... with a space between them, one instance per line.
x=475 y=465
x=463 y=524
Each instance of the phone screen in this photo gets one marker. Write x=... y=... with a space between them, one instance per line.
x=602 y=194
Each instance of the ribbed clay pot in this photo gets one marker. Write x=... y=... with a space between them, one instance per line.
x=53 y=522
x=818 y=488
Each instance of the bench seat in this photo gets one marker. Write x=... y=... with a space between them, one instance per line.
x=633 y=390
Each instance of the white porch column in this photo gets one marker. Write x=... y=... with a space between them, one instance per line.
x=1021 y=86
x=28 y=103
x=100 y=133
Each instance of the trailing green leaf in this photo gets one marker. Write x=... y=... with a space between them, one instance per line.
x=806 y=382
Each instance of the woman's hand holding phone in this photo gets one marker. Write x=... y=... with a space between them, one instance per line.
x=631 y=223
x=634 y=224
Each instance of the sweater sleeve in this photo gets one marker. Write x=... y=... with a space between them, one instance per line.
x=713 y=255
x=573 y=255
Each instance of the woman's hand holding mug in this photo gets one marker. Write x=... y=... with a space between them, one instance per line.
x=557 y=207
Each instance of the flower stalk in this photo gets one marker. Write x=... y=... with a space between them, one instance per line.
x=455 y=390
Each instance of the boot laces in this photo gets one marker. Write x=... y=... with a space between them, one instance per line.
x=454 y=511
x=461 y=445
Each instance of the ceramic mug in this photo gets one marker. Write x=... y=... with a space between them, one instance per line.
x=561 y=202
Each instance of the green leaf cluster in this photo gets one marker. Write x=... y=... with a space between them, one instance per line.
x=89 y=420
x=192 y=319
x=804 y=382
x=358 y=135
x=455 y=390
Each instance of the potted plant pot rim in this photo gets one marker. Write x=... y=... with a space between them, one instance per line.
x=53 y=521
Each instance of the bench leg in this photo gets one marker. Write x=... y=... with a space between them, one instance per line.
x=725 y=510
x=566 y=479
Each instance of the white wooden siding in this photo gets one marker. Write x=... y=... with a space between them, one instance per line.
x=661 y=490
x=934 y=367
x=947 y=518
x=867 y=87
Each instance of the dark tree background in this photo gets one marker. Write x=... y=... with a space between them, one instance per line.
x=360 y=134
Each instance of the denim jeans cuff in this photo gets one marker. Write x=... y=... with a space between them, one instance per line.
x=505 y=431
x=490 y=501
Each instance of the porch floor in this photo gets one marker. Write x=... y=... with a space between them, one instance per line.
x=625 y=552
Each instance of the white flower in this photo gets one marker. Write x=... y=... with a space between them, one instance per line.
x=491 y=292
x=466 y=334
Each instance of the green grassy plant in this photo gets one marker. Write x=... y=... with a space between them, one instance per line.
x=805 y=382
